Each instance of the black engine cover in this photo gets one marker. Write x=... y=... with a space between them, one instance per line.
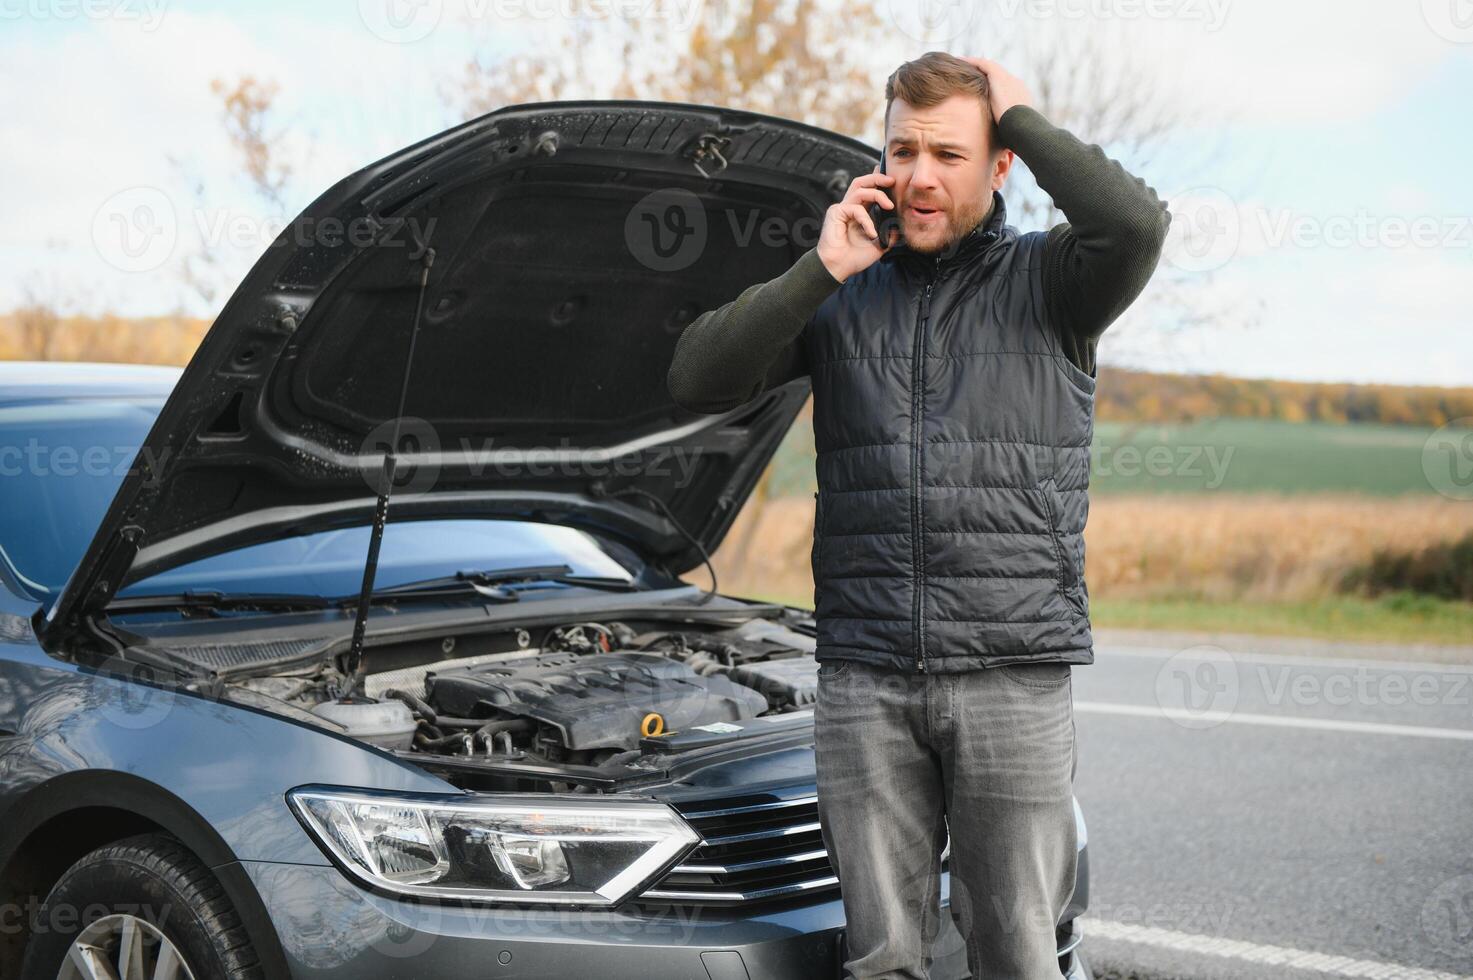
x=595 y=701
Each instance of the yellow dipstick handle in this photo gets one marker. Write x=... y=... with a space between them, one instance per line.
x=653 y=724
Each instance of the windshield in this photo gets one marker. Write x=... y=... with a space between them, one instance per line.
x=63 y=459
x=330 y=563
x=61 y=462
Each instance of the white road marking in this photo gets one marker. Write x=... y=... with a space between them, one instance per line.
x=1292 y=660
x=1207 y=719
x=1258 y=953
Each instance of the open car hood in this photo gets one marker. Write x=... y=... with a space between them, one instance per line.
x=572 y=242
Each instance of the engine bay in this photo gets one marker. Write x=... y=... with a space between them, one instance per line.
x=586 y=697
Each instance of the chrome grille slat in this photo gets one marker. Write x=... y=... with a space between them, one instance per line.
x=753 y=808
x=749 y=853
x=748 y=896
x=715 y=869
x=803 y=828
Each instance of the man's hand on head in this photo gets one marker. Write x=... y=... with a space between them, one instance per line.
x=1005 y=89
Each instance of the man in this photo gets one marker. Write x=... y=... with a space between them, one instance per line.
x=953 y=376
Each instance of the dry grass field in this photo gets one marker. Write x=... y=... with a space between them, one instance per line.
x=1218 y=547
x=32 y=334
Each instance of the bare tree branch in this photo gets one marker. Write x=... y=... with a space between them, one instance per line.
x=247 y=105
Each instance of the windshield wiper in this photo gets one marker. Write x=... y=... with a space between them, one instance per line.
x=485 y=584
x=490 y=583
x=209 y=599
x=559 y=574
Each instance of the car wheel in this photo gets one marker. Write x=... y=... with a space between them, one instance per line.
x=144 y=908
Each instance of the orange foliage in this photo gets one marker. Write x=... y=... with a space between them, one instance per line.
x=1145 y=396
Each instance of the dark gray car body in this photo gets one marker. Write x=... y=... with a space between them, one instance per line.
x=87 y=758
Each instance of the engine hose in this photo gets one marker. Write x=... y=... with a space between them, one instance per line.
x=507 y=725
x=460 y=740
x=725 y=652
x=417 y=705
x=704 y=664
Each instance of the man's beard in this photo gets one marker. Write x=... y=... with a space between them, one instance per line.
x=959 y=224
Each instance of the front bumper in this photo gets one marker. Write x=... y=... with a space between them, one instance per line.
x=330 y=929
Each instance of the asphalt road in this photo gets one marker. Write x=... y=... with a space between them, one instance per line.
x=1248 y=812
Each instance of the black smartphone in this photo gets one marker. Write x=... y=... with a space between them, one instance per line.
x=885 y=219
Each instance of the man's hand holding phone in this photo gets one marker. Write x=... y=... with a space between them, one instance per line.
x=849 y=241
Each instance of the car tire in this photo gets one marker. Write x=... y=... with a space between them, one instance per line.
x=151 y=894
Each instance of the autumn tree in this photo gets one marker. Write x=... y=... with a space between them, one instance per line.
x=247 y=106
x=248 y=115
x=802 y=59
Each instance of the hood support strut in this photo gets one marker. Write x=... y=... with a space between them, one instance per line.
x=353 y=660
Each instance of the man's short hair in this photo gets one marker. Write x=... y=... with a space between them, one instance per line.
x=935 y=77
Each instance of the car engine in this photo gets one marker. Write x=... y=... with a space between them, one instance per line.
x=588 y=694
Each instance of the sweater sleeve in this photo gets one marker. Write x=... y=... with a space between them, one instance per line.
x=1099 y=260
x=730 y=355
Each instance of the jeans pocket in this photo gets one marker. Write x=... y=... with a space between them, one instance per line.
x=1047 y=676
x=834 y=668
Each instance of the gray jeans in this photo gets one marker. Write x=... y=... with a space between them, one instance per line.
x=988 y=755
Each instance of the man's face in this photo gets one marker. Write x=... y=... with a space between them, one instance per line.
x=944 y=170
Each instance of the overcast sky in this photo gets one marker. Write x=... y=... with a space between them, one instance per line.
x=1327 y=182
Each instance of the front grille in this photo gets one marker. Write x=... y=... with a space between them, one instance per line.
x=753 y=853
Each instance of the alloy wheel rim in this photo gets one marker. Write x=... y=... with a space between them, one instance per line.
x=123 y=947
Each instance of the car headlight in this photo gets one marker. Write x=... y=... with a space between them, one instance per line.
x=514 y=848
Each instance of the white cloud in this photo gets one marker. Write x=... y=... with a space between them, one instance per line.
x=1326 y=315
x=99 y=108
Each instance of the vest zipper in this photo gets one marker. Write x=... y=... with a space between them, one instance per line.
x=917 y=386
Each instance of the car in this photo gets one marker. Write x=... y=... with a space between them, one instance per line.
x=358 y=647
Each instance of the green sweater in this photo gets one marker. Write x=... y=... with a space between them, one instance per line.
x=1095 y=264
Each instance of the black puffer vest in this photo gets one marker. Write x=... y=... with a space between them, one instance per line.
x=953 y=442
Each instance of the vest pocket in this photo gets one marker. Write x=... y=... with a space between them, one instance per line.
x=1067 y=582
x=816 y=558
